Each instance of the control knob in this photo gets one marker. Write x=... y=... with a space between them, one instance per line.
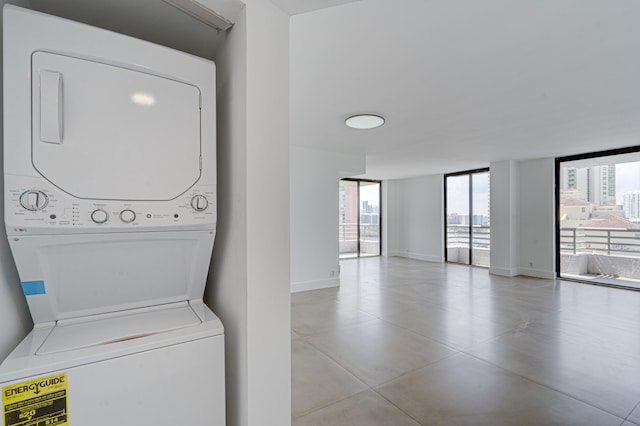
x=199 y=203
x=99 y=216
x=34 y=200
x=127 y=215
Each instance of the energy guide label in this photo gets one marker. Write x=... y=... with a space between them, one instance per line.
x=39 y=402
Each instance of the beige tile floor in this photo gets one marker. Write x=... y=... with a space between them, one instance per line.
x=404 y=342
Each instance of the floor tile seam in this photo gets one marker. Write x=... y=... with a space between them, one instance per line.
x=432 y=339
x=547 y=386
x=455 y=347
x=338 y=363
x=395 y=405
x=415 y=333
x=351 y=373
x=413 y=370
x=556 y=338
x=500 y=335
x=306 y=413
x=327 y=329
x=630 y=413
x=450 y=345
x=305 y=335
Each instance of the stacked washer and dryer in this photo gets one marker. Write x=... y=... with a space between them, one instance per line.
x=110 y=211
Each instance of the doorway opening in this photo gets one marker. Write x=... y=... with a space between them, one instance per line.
x=468 y=223
x=598 y=217
x=359 y=232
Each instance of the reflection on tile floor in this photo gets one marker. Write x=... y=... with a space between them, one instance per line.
x=405 y=342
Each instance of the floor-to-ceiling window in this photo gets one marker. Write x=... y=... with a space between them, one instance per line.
x=468 y=229
x=598 y=217
x=359 y=218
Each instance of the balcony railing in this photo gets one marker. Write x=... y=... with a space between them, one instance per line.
x=458 y=236
x=608 y=255
x=369 y=240
x=609 y=241
x=349 y=232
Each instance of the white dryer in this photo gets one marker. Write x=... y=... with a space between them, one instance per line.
x=110 y=211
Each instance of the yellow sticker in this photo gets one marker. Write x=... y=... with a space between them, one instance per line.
x=39 y=402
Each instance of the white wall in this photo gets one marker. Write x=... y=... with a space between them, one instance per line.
x=505 y=213
x=522 y=218
x=249 y=281
x=315 y=177
x=268 y=241
x=537 y=218
x=226 y=290
x=15 y=320
x=415 y=217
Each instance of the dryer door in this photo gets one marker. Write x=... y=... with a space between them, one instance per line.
x=105 y=132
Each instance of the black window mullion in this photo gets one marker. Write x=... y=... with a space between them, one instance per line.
x=359 y=213
x=470 y=219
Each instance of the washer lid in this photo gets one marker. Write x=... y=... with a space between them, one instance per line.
x=101 y=131
x=79 y=275
x=105 y=329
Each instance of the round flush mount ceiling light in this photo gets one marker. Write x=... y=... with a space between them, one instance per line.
x=364 y=121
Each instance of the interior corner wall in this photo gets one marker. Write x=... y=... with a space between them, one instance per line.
x=504 y=206
x=537 y=218
x=415 y=218
x=249 y=280
x=268 y=220
x=14 y=313
x=226 y=290
x=315 y=176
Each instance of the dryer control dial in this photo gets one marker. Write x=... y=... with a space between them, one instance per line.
x=127 y=215
x=199 y=203
x=99 y=216
x=34 y=200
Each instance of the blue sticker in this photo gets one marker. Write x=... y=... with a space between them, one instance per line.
x=31 y=288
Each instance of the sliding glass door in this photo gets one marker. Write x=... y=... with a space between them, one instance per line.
x=359 y=218
x=598 y=217
x=468 y=232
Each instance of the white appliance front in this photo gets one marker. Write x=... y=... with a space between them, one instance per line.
x=153 y=378
x=76 y=275
x=110 y=211
x=122 y=130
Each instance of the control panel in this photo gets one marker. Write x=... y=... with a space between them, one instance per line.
x=44 y=209
x=34 y=200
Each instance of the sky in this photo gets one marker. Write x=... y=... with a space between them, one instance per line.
x=627 y=179
x=458 y=194
x=370 y=193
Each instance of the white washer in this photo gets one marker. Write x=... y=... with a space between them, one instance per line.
x=110 y=211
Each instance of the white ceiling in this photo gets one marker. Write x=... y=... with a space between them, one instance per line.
x=461 y=82
x=151 y=20
x=466 y=82
x=295 y=7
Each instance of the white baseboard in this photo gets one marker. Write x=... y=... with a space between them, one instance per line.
x=504 y=272
x=416 y=256
x=537 y=273
x=314 y=285
x=529 y=272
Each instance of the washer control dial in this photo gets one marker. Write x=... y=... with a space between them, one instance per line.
x=34 y=200
x=199 y=203
x=99 y=216
x=127 y=215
